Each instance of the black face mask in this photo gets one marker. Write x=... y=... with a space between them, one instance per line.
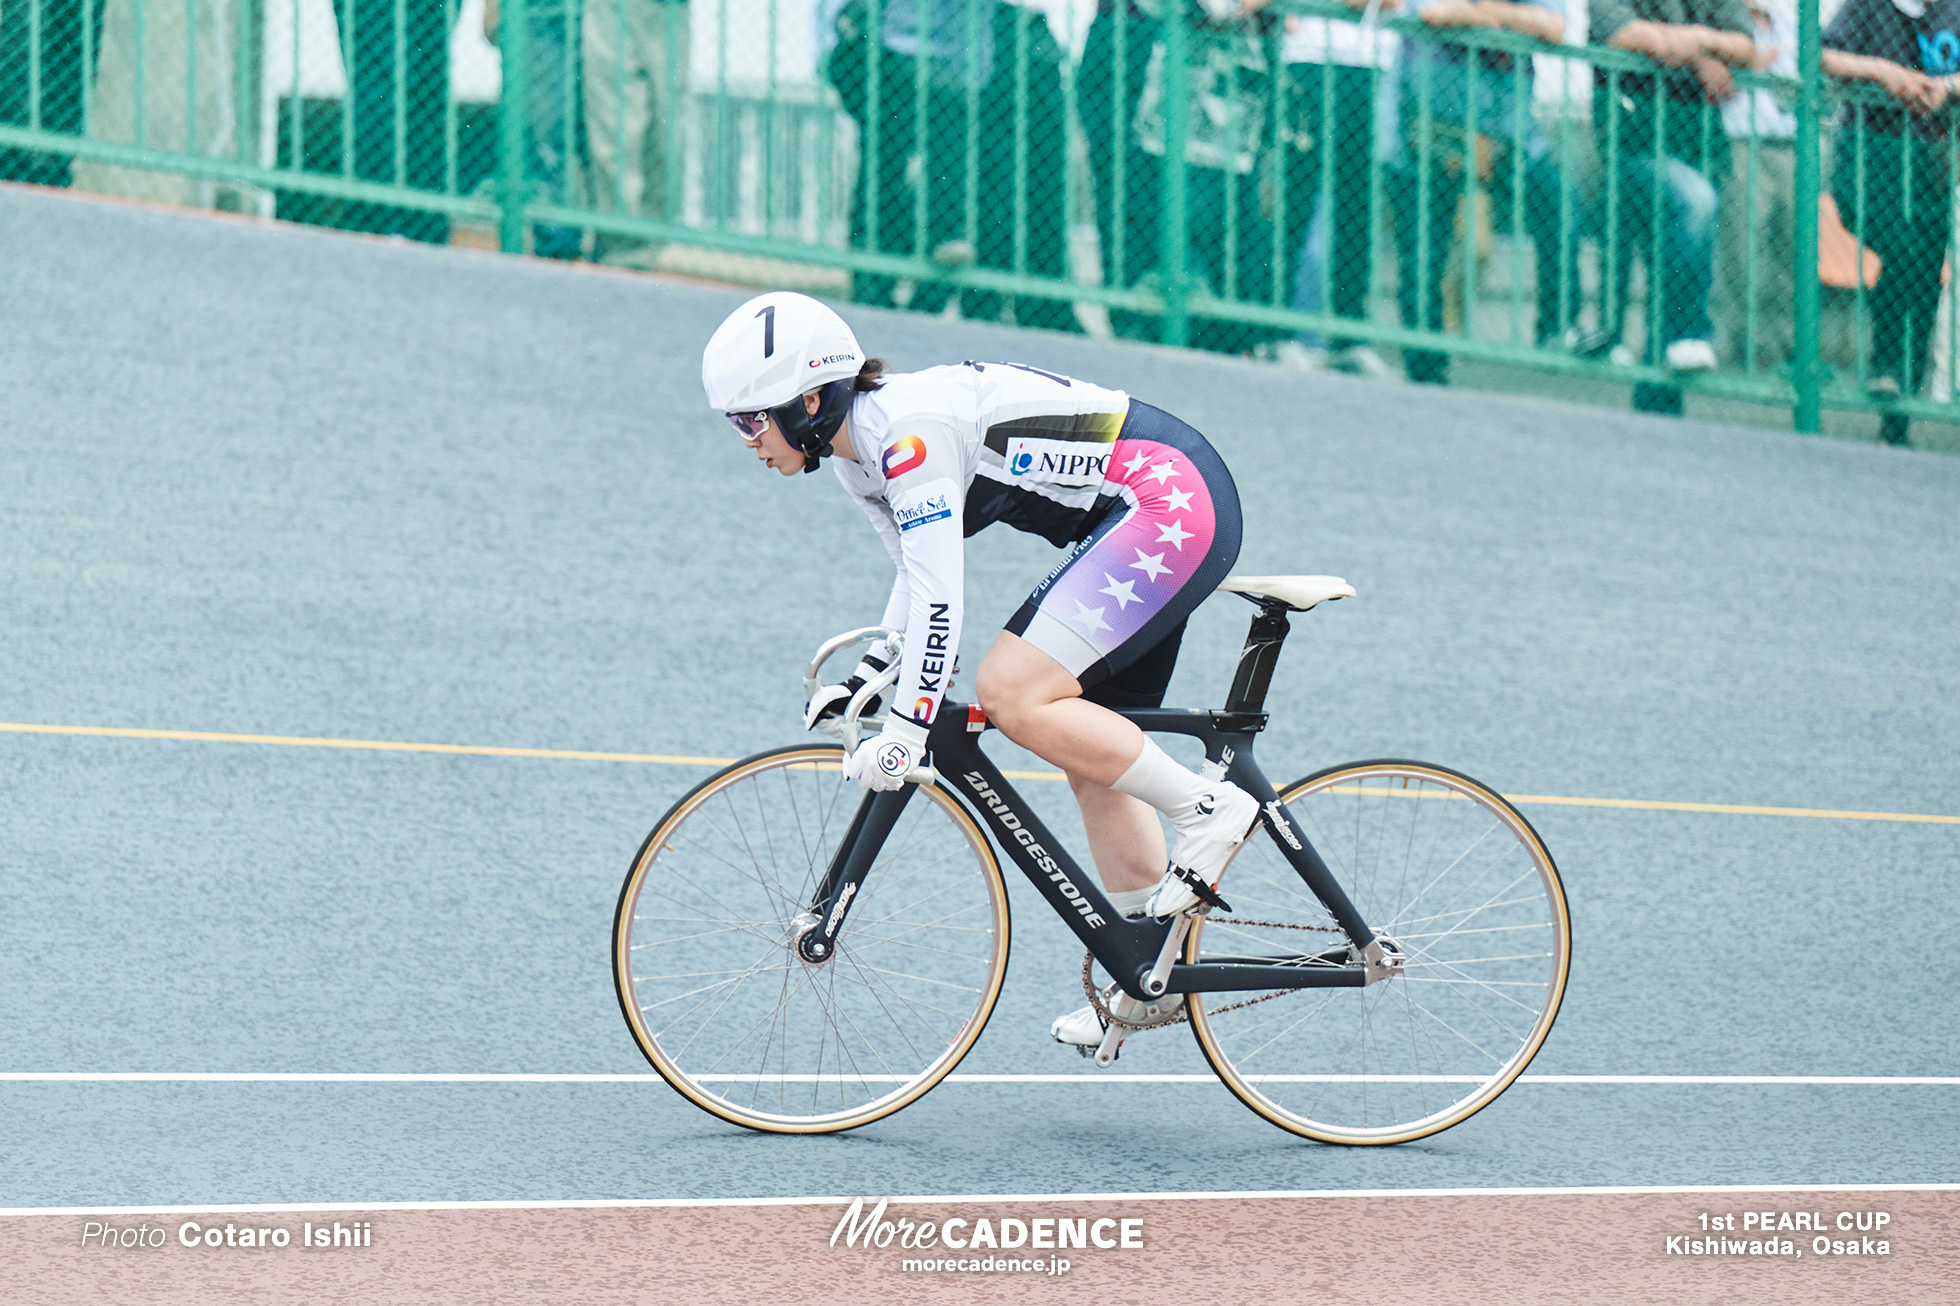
x=811 y=433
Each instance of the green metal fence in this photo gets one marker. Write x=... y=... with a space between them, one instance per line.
x=1307 y=182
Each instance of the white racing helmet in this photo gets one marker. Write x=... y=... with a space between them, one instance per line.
x=771 y=352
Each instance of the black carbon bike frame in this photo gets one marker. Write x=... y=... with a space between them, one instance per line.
x=1127 y=948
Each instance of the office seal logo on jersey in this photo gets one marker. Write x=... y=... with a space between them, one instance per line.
x=932 y=508
x=907 y=452
x=1066 y=461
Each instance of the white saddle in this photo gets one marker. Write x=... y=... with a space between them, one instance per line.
x=1296 y=592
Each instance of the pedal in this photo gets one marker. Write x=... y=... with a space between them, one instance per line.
x=1198 y=886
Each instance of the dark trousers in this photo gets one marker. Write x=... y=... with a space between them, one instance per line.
x=1330 y=127
x=421 y=80
x=1907 y=218
x=1128 y=218
x=884 y=207
x=62 y=82
x=1030 y=215
x=1424 y=239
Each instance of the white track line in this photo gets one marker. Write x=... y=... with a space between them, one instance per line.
x=602 y=1203
x=301 y=1077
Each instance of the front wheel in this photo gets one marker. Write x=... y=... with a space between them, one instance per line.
x=716 y=993
x=1461 y=884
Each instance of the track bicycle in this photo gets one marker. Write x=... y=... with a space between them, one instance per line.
x=795 y=955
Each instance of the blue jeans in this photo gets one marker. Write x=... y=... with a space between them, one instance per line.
x=1678 y=293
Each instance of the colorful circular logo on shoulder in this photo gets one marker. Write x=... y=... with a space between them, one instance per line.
x=907 y=452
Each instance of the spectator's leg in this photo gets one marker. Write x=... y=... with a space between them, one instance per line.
x=550 y=128
x=1048 y=214
x=943 y=174
x=1776 y=257
x=1542 y=187
x=1688 y=211
x=421 y=79
x=663 y=37
x=1297 y=182
x=1423 y=253
x=1351 y=246
x=995 y=224
x=1106 y=100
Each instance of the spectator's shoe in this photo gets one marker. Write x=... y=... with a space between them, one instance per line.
x=1296 y=357
x=1884 y=388
x=1584 y=342
x=1362 y=360
x=1205 y=847
x=954 y=255
x=1083 y=1028
x=1691 y=356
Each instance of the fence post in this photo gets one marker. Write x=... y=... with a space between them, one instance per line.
x=1808 y=416
x=1177 y=53
x=513 y=39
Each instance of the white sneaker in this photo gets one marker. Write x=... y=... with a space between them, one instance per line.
x=1205 y=846
x=1083 y=1028
x=1362 y=360
x=1296 y=357
x=1691 y=356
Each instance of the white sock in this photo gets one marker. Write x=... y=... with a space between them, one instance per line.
x=1162 y=783
x=1129 y=902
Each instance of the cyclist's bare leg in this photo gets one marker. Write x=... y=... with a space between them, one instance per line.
x=1125 y=839
x=1035 y=702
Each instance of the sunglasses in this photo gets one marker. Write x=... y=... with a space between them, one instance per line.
x=751 y=425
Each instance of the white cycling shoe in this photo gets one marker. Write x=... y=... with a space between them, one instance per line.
x=1205 y=847
x=1083 y=1028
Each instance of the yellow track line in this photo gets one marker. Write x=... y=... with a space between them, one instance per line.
x=578 y=755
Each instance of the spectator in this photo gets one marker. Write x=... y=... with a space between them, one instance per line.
x=1695 y=42
x=58 y=59
x=924 y=57
x=1227 y=248
x=551 y=122
x=1022 y=223
x=635 y=74
x=1767 y=213
x=1328 y=90
x=1441 y=149
x=1909 y=49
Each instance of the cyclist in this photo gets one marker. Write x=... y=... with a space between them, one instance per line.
x=1143 y=504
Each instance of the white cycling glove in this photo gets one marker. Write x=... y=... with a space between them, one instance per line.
x=882 y=762
x=830 y=701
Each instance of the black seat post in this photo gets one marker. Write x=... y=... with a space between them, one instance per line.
x=1256 y=660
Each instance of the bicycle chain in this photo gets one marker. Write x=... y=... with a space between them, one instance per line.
x=1099 y=999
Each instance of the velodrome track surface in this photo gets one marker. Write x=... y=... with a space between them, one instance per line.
x=276 y=482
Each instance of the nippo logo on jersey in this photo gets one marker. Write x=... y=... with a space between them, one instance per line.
x=1078 y=462
x=907 y=452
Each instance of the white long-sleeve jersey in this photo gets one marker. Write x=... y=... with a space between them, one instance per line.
x=944 y=452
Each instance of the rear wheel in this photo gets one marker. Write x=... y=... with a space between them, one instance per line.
x=1459 y=883
x=710 y=981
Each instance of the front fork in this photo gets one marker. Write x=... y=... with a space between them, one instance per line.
x=813 y=933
